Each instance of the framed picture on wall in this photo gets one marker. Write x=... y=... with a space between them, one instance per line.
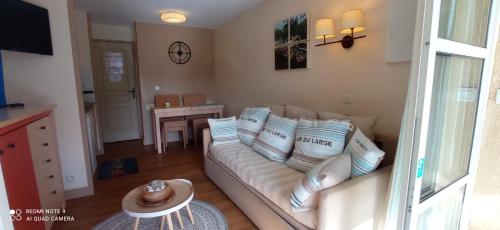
x=291 y=43
x=298 y=28
x=281 y=33
x=298 y=55
x=281 y=60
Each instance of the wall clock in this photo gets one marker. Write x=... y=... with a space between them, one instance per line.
x=179 y=52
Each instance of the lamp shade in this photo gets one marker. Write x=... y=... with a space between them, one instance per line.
x=352 y=19
x=173 y=17
x=324 y=29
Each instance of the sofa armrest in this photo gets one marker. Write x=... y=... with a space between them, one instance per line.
x=355 y=204
x=207 y=139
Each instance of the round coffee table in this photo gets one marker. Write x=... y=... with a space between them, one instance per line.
x=183 y=194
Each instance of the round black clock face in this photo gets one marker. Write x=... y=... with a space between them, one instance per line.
x=179 y=52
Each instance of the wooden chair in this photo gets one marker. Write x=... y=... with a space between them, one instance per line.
x=174 y=126
x=171 y=124
x=197 y=121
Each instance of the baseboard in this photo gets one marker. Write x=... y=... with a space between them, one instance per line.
x=78 y=192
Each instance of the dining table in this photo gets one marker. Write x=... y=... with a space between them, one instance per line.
x=163 y=112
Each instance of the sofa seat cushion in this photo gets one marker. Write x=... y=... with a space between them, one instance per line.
x=271 y=179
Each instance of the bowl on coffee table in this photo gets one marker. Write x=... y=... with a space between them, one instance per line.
x=156 y=191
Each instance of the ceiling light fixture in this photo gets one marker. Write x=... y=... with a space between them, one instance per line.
x=172 y=17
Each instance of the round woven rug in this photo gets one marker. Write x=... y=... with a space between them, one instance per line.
x=206 y=217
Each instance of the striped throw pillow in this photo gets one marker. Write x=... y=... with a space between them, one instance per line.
x=366 y=156
x=317 y=141
x=223 y=130
x=326 y=174
x=275 y=141
x=250 y=123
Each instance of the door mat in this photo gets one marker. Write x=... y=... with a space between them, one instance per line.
x=116 y=168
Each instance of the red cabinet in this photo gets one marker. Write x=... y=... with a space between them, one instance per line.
x=19 y=176
x=29 y=158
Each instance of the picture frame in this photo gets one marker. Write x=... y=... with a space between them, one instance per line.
x=291 y=42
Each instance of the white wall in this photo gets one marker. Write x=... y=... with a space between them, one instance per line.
x=113 y=32
x=84 y=57
x=485 y=204
x=156 y=68
x=35 y=79
x=400 y=25
x=245 y=75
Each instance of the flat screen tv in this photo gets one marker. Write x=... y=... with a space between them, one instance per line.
x=24 y=27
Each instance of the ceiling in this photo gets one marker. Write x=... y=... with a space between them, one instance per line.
x=200 y=13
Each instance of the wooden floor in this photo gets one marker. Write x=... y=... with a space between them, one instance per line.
x=175 y=163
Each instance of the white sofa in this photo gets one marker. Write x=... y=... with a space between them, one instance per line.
x=262 y=190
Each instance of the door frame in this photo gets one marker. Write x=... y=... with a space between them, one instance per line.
x=405 y=186
x=137 y=82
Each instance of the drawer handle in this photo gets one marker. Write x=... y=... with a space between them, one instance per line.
x=54 y=192
x=45 y=144
x=48 y=160
x=11 y=145
x=51 y=176
x=42 y=127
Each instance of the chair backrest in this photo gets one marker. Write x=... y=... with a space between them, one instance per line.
x=173 y=99
x=194 y=99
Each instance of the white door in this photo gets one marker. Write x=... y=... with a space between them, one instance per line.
x=437 y=159
x=116 y=90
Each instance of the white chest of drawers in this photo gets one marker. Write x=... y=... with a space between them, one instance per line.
x=45 y=157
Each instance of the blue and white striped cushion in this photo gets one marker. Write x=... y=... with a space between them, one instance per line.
x=275 y=141
x=326 y=174
x=366 y=156
x=223 y=130
x=250 y=123
x=317 y=141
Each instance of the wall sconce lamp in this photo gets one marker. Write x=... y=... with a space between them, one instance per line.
x=352 y=22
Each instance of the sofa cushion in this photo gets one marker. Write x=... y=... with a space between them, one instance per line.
x=276 y=140
x=316 y=141
x=366 y=124
x=278 y=110
x=250 y=123
x=327 y=174
x=223 y=130
x=366 y=156
x=297 y=112
x=271 y=179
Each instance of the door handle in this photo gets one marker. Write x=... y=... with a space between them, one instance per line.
x=133 y=92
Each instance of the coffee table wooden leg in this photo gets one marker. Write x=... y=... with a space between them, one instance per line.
x=190 y=214
x=162 y=222
x=169 y=221
x=179 y=219
x=136 y=225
